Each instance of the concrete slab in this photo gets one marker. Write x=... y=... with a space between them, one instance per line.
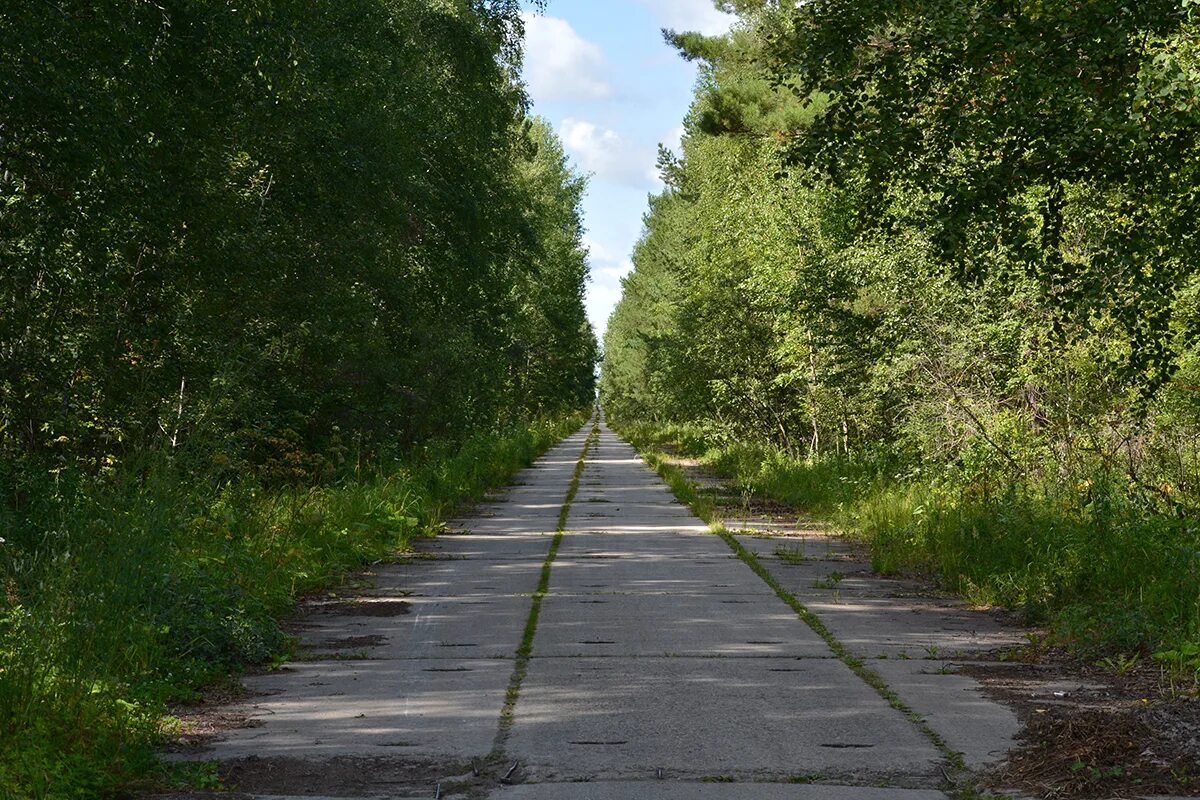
x=664 y=790
x=459 y=577
x=432 y=709
x=803 y=544
x=817 y=576
x=480 y=626
x=678 y=623
x=649 y=574
x=501 y=546
x=917 y=628
x=604 y=718
x=979 y=728
x=618 y=543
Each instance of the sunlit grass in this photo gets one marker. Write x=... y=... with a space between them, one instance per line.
x=118 y=599
x=1102 y=569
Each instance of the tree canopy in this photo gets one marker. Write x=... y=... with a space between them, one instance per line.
x=243 y=232
x=960 y=230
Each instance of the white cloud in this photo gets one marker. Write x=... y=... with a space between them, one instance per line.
x=674 y=139
x=560 y=64
x=598 y=251
x=604 y=290
x=691 y=15
x=613 y=272
x=601 y=300
x=607 y=154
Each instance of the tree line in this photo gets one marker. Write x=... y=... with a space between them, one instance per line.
x=953 y=240
x=253 y=233
x=282 y=283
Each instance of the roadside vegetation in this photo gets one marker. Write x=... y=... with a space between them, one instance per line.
x=282 y=284
x=930 y=270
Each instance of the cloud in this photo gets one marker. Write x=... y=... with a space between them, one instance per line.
x=598 y=251
x=690 y=15
x=560 y=64
x=605 y=153
x=607 y=268
x=600 y=302
x=674 y=139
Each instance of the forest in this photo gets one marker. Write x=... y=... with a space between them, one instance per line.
x=930 y=271
x=283 y=284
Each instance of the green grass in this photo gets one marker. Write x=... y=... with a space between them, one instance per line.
x=118 y=598
x=1106 y=571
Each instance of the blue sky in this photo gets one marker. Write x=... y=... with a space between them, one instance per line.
x=601 y=73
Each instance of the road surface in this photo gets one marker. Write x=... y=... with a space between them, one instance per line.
x=628 y=653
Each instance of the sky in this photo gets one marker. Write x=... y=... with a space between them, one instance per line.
x=601 y=73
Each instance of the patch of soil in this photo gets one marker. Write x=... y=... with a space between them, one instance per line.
x=211 y=714
x=1089 y=734
x=340 y=777
x=360 y=607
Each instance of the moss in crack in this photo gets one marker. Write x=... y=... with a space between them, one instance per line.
x=525 y=648
x=961 y=780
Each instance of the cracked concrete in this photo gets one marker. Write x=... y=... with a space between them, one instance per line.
x=662 y=666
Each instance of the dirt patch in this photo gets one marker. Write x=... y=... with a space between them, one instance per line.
x=1119 y=752
x=342 y=777
x=211 y=714
x=1087 y=733
x=359 y=607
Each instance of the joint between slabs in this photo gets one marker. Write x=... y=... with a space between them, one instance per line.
x=525 y=649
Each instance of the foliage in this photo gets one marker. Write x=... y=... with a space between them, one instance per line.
x=137 y=595
x=281 y=280
x=931 y=267
x=251 y=230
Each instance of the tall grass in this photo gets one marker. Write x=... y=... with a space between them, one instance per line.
x=118 y=598
x=1104 y=571
x=1101 y=567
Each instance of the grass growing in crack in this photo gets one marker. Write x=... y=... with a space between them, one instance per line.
x=831 y=581
x=703 y=507
x=856 y=664
x=525 y=649
x=1108 y=570
x=790 y=555
x=809 y=778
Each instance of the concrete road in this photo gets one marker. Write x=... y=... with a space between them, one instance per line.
x=632 y=654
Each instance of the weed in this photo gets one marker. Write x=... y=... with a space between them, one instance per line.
x=791 y=555
x=1120 y=664
x=830 y=581
x=184 y=775
x=805 y=778
x=1181 y=667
